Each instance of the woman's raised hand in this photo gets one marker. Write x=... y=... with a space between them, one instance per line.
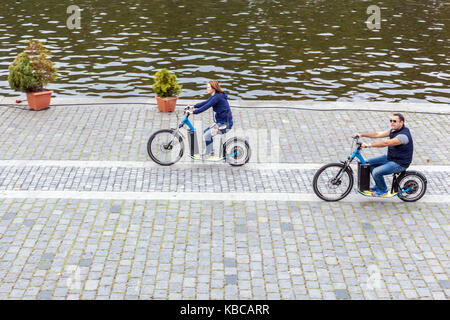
x=190 y=109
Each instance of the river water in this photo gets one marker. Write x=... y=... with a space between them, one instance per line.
x=302 y=50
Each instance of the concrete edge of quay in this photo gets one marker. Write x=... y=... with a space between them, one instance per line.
x=294 y=104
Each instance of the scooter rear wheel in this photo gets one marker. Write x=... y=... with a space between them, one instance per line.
x=415 y=183
x=237 y=151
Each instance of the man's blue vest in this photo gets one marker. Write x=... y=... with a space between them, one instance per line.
x=403 y=153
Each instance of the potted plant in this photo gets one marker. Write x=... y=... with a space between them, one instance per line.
x=30 y=71
x=167 y=89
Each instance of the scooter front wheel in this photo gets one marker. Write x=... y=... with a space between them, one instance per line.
x=165 y=147
x=333 y=182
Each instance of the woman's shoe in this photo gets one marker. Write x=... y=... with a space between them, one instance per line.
x=197 y=157
x=213 y=158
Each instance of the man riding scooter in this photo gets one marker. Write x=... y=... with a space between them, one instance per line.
x=399 y=155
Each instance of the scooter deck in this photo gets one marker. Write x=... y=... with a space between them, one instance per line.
x=375 y=196
x=201 y=159
x=218 y=160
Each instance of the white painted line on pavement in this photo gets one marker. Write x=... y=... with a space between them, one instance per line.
x=150 y=164
x=199 y=196
x=186 y=165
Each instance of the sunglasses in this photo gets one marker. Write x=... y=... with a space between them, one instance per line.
x=394 y=121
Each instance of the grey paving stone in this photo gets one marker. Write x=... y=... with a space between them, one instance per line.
x=48 y=256
x=45 y=295
x=8 y=216
x=28 y=223
x=85 y=262
x=367 y=226
x=230 y=263
x=230 y=280
x=44 y=265
x=342 y=294
x=116 y=209
x=61 y=292
x=445 y=284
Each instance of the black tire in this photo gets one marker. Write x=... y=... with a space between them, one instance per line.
x=418 y=184
x=327 y=173
x=172 y=155
x=240 y=147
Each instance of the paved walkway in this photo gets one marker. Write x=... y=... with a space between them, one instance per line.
x=144 y=180
x=94 y=218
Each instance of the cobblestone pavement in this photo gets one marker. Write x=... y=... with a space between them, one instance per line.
x=100 y=249
x=163 y=249
x=210 y=178
x=121 y=132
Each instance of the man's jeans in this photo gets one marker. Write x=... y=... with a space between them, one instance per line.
x=379 y=167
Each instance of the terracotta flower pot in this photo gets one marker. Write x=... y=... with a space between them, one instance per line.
x=39 y=100
x=166 y=104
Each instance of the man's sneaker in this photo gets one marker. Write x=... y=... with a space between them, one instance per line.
x=374 y=188
x=380 y=193
x=367 y=193
x=389 y=194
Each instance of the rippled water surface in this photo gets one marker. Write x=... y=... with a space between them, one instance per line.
x=303 y=50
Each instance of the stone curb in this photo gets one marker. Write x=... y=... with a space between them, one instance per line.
x=352 y=106
x=313 y=105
